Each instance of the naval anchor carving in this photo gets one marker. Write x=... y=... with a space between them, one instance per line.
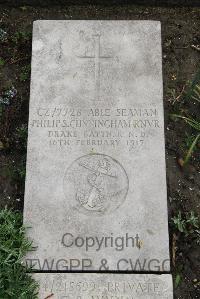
x=96 y=184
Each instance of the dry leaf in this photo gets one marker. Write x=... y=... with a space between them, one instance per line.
x=181 y=162
x=1 y=145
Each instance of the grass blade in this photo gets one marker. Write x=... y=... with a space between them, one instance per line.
x=191 y=149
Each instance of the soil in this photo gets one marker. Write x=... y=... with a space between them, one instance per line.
x=181 y=61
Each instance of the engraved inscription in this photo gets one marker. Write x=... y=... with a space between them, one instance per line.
x=94 y=127
x=98 y=184
x=101 y=289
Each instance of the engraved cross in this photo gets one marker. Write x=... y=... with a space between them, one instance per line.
x=97 y=59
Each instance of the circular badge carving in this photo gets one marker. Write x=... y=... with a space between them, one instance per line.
x=96 y=184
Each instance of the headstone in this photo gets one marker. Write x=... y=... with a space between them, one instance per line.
x=96 y=186
x=104 y=286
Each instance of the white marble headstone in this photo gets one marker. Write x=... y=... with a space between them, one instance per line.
x=96 y=181
x=104 y=286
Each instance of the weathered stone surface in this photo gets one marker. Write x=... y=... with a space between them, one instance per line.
x=96 y=186
x=104 y=286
